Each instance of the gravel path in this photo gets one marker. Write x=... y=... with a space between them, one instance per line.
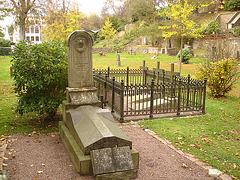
x=43 y=156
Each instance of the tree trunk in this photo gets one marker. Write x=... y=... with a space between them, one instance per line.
x=22 y=28
x=180 y=60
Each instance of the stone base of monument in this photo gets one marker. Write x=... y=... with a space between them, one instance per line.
x=91 y=130
x=82 y=96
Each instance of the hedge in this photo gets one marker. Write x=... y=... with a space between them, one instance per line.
x=5 y=51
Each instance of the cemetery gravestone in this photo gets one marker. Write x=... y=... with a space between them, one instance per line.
x=88 y=129
x=118 y=60
x=80 y=74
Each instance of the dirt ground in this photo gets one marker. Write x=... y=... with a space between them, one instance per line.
x=43 y=156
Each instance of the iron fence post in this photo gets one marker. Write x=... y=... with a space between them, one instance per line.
x=113 y=93
x=179 y=96
x=204 y=95
x=163 y=76
x=172 y=71
x=122 y=102
x=127 y=75
x=108 y=72
x=144 y=73
x=105 y=90
x=188 y=90
x=151 y=99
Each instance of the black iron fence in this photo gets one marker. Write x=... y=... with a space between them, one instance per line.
x=141 y=92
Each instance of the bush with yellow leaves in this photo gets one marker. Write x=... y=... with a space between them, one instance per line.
x=221 y=75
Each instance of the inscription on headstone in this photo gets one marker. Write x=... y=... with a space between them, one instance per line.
x=109 y=160
x=122 y=158
x=80 y=60
x=80 y=88
x=102 y=161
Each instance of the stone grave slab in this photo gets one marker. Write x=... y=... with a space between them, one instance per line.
x=113 y=160
x=146 y=105
x=122 y=158
x=102 y=161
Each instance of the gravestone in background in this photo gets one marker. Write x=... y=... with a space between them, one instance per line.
x=88 y=129
x=118 y=60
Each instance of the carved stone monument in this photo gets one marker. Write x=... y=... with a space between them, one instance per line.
x=80 y=77
x=95 y=144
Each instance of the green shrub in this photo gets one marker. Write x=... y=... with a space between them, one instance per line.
x=40 y=74
x=236 y=31
x=5 y=43
x=186 y=55
x=5 y=51
x=221 y=75
x=232 y=5
x=212 y=28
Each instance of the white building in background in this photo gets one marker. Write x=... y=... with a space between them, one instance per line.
x=5 y=32
x=32 y=32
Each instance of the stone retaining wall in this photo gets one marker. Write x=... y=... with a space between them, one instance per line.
x=230 y=44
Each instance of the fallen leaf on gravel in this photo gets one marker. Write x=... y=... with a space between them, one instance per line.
x=184 y=165
x=43 y=164
x=5 y=158
x=70 y=165
x=234 y=166
x=40 y=172
x=4 y=165
x=31 y=165
x=36 y=178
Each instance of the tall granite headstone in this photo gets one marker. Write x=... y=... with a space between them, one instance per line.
x=80 y=78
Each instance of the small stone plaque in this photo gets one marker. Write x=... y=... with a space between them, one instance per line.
x=122 y=158
x=109 y=160
x=102 y=161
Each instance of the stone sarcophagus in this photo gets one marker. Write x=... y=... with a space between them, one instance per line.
x=104 y=131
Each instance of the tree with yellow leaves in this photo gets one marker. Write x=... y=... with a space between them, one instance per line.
x=107 y=30
x=180 y=13
x=59 y=23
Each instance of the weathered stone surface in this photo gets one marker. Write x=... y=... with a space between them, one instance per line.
x=82 y=96
x=110 y=160
x=80 y=60
x=102 y=161
x=82 y=162
x=94 y=128
x=214 y=172
x=3 y=175
x=122 y=158
x=126 y=175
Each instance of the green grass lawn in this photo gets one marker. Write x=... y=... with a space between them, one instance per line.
x=213 y=137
